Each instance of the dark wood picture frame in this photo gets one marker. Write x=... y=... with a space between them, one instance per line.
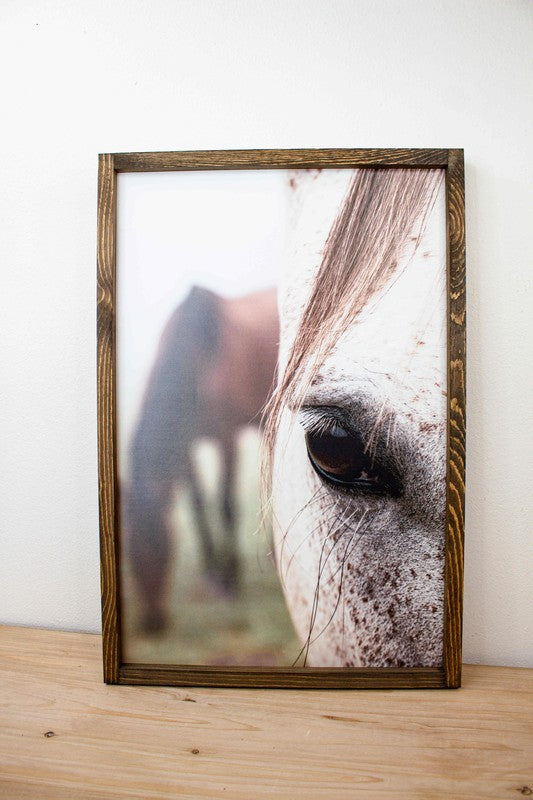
x=115 y=670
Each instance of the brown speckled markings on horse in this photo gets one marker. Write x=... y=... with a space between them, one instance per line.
x=363 y=354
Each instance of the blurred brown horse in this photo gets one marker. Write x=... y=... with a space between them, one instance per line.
x=213 y=373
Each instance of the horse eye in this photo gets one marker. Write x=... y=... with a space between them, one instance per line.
x=339 y=457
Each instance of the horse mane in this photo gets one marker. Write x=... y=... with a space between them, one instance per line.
x=383 y=209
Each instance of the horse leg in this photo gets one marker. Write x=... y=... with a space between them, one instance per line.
x=231 y=566
x=204 y=531
x=150 y=550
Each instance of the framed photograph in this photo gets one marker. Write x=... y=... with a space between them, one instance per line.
x=281 y=417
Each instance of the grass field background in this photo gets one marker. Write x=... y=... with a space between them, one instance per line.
x=206 y=627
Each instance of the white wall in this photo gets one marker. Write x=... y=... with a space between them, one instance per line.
x=87 y=77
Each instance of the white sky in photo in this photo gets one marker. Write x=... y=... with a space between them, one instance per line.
x=224 y=230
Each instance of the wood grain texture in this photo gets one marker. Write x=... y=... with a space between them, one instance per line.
x=110 y=165
x=455 y=492
x=64 y=734
x=106 y=416
x=287 y=678
x=278 y=159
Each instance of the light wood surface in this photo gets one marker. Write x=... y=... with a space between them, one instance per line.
x=65 y=734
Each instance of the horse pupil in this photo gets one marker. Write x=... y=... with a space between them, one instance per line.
x=339 y=456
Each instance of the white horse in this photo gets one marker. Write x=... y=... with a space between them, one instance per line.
x=357 y=425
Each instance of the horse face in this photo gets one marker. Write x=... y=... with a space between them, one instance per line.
x=359 y=466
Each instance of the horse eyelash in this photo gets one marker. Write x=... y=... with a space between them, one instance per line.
x=317 y=421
